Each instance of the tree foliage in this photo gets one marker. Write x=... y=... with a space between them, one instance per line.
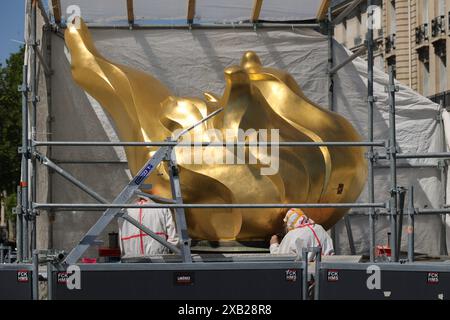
x=10 y=121
x=10 y=204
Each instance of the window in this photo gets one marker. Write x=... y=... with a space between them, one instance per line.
x=441 y=65
x=425 y=79
x=391 y=15
x=425 y=14
x=424 y=71
x=441 y=7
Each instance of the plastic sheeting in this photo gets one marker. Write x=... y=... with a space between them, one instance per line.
x=216 y=11
x=446 y=121
x=418 y=131
x=192 y=62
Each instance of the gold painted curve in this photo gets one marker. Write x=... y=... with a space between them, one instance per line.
x=255 y=97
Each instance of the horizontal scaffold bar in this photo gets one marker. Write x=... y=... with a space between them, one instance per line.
x=266 y=24
x=209 y=144
x=423 y=155
x=432 y=211
x=209 y=206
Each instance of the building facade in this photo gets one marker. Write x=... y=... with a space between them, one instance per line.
x=413 y=37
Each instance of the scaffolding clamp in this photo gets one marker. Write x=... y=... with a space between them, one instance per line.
x=376 y=214
x=372 y=156
x=398 y=190
x=391 y=88
x=26 y=151
x=391 y=150
x=401 y=191
x=39 y=157
x=393 y=191
x=54 y=256
x=372 y=99
x=34 y=213
x=35 y=99
x=33 y=44
x=388 y=205
x=22 y=88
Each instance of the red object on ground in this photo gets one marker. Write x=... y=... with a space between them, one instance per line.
x=88 y=260
x=108 y=252
x=383 y=251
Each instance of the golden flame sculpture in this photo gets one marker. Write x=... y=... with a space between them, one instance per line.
x=144 y=109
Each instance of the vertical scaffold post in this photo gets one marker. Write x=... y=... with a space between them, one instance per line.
x=23 y=215
x=442 y=164
x=19 y=221
x=329 y=25
x=180 y=217
x=329 y=29
x=371 y=102
x=49 y=280
x=392 y=89
x=318 y=254
x=401 y=193
x=35 y=276
x=34 y=100
x=305 y=283
x=411 y=212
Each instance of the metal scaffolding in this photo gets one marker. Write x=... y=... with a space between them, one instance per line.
x=31 y=157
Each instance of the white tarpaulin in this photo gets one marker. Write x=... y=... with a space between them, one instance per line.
x=192 y=62
x=216 y=11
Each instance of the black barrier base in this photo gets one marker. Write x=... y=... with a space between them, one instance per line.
x=15 y=282
x=211 y=281
x=385 y=282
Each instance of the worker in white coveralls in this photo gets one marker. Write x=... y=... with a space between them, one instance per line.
x=301 y=232
x=136 y=243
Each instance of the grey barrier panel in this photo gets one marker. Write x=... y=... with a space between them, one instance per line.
x=206 y=281
x=15 y=281
x=427 y=281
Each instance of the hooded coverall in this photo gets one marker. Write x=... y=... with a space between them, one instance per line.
x=136 y=243
x=304 y=236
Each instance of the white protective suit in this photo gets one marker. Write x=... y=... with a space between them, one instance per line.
x=304 y=236
x=136 y=243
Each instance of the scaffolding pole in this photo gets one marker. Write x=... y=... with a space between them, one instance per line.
x=330 y=61
x=22 y=234
x=410 y=230
x=371 y=158
x=392 y=89
x=19 y=221
x=34 y=100
x=442 y=165
x=119 y=205
x=206 y=26
x=210 y=144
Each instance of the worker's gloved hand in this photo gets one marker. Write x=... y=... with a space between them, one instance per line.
x=274 y=239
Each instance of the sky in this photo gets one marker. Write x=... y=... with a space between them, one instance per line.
x=11 y=27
